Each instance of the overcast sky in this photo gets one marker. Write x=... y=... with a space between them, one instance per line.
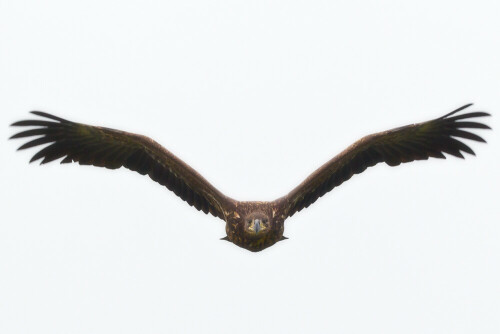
x=255 y=95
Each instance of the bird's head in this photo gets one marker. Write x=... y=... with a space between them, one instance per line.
x=254 y=229
x=257 y=224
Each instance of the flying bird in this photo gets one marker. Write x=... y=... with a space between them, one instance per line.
x=251 y=225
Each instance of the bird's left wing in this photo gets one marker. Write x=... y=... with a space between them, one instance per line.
x=104 y=147
x=408 y=143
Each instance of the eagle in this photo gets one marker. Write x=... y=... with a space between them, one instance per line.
x=252 y=225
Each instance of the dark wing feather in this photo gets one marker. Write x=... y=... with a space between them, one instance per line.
x=413 y=142
x=104 y=147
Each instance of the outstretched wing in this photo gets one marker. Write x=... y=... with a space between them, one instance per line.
x=408 y=143
x=104 y=147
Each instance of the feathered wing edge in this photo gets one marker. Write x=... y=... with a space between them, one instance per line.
x=404 y=144
x=104 y=147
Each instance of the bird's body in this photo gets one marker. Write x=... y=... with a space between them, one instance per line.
x=251 y=225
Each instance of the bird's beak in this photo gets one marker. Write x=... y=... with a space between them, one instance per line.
x=257 y=225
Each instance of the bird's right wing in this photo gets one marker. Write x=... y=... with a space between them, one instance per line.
x=104 y=147
x=408 y=143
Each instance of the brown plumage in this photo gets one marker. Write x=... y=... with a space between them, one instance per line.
x=251 y=225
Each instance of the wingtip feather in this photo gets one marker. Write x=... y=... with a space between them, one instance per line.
x=47 y=115
x=458 y=109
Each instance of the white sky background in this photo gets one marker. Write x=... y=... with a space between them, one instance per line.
x=255 y=95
